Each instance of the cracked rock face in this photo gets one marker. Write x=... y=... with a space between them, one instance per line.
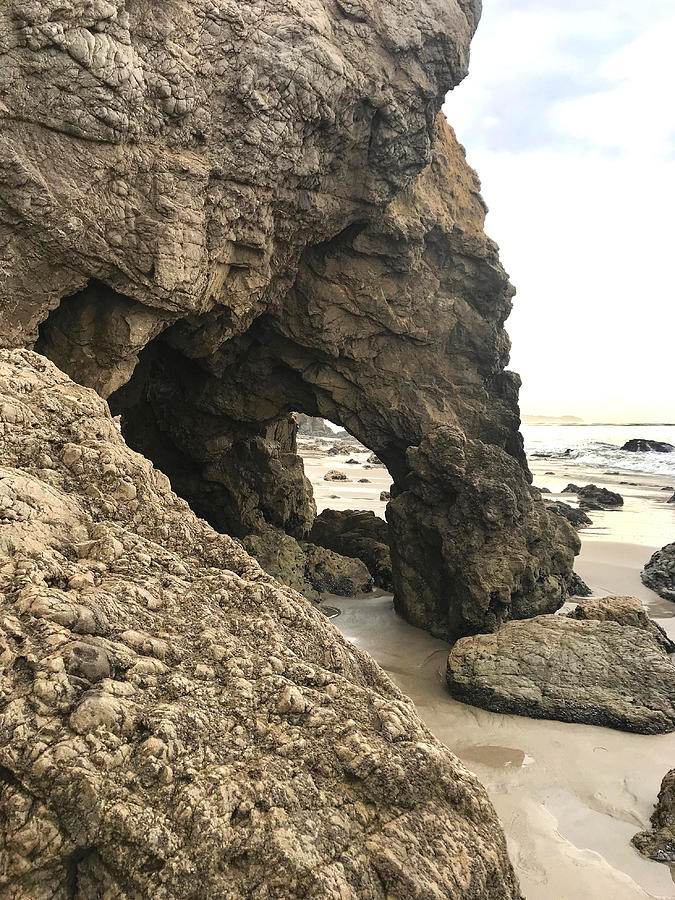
x=218 y=213
x=173 y=722
x=596 y=671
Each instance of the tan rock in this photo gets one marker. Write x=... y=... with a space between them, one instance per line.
x=284 y=764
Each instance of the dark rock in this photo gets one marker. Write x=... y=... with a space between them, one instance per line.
x=544 y=490
x=554 y=667
x=374 y=460
x=306 y=568
x=385 y=495
x=444 y=461
x=576 y=517
x=577 y=587
x=659 y=573
x=335 y=573
x=593 y=497
x=549 y=473
x=646 y=445
x=357 y=533
x=352 y=462
x=659 y=843
x=571 y=489
x=335 y=475
x=669 y=488
x=671 y=499
x=334 y=450
x=364 y=480
x=625 y=611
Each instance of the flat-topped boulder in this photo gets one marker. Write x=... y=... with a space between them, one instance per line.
x=659 y=843
x=659 y=573
x=554 y=667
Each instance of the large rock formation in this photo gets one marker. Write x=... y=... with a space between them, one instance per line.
x=217 y=213
x=176 y=724
x=593 y=671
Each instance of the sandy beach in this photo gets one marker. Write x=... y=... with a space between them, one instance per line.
x=570 y=797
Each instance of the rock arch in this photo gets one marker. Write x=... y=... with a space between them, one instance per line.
x=280 y=231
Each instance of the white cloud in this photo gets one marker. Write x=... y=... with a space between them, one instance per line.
x=579 y=176
x=634 y=113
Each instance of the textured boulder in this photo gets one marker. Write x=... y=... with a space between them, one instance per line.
x=593 y=497
x=646 y=445
x=335 y=475
x=309 y=569
x=173 y=722
x=625 y=611
x=659 y=843
x=577 y=587
x=553 y=667
x=576 y=517
x=359 y=533
x=216 y=214
x=659 y=573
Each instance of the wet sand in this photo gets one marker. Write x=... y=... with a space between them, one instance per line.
x=570 y=797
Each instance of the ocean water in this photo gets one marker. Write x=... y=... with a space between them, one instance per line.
x=599 y=446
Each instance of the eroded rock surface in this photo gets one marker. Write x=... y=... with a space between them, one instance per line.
x=659 y=573
x=307 y=568
x=359 y=533
x=173 y=722
x=577 y=587
x=659 y=843
x=553 y=667
x=625 y=611
x=216 y=214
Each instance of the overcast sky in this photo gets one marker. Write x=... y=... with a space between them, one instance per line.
x=568 y=115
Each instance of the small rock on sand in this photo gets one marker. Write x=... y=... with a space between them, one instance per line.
x=335 y=475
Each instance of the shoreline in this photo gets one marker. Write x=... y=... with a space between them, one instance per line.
x=570 y=797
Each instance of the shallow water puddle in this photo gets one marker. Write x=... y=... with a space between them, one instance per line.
x=490 y=755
